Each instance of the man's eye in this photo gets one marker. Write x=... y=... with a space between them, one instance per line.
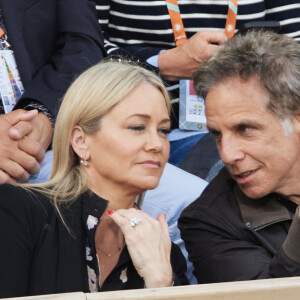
x=216 y=134
x=137 y=127
x=245 y=129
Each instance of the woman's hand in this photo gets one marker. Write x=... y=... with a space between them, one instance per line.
x=149 y=245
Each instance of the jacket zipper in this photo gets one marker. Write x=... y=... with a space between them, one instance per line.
x=272 y=223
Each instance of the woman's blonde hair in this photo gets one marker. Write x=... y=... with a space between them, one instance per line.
x=88 y=99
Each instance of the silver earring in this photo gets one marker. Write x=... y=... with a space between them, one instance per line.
x=83 y=161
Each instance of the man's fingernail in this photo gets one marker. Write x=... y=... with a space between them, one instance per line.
x=15 y=132
x=110 y=212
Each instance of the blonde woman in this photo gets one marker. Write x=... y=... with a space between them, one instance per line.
x=82 y=230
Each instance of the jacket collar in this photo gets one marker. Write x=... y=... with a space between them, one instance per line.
x=93 y=204
x=260 y=213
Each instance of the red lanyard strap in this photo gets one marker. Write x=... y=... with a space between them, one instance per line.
x=177 y=24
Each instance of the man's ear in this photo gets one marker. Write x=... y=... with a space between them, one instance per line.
x=79 y=143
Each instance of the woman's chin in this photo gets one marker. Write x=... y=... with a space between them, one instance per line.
x=149 y=184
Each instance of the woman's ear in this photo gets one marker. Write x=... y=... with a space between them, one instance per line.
x=79 y=144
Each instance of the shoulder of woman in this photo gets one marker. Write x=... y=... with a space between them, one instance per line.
x=21 y=199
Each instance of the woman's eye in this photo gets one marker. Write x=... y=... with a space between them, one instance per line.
x=165 y=131
x=137 y=127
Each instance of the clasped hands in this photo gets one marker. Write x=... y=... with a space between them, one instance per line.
x=24 y=139
x=148 y=244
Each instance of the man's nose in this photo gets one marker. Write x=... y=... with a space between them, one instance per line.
x=230 y=150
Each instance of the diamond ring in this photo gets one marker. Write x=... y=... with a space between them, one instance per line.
x=134 y=221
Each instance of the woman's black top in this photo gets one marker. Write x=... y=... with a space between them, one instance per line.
x=40 y=255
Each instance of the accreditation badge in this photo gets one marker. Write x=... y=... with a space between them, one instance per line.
x=11 y=87
x=191 y=108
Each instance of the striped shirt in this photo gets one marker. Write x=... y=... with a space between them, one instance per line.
x=139 y=29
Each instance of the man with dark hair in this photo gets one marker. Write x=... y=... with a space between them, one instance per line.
x=246 y=224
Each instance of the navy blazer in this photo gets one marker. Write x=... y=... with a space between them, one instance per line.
x=53 y=42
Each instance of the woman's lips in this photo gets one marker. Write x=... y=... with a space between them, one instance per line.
x=150 y=164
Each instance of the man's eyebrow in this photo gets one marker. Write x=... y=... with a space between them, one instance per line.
x=244 y=122
x=247 y=122
x=148 y=117
x=210 y=129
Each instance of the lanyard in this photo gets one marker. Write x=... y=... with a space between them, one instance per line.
x=4 y=43
x=177 y=24
x=231 y=18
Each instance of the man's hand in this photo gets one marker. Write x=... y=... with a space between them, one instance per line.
x=15 y=163
x=24 y=138
x=41 y=132
x=181 y=62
